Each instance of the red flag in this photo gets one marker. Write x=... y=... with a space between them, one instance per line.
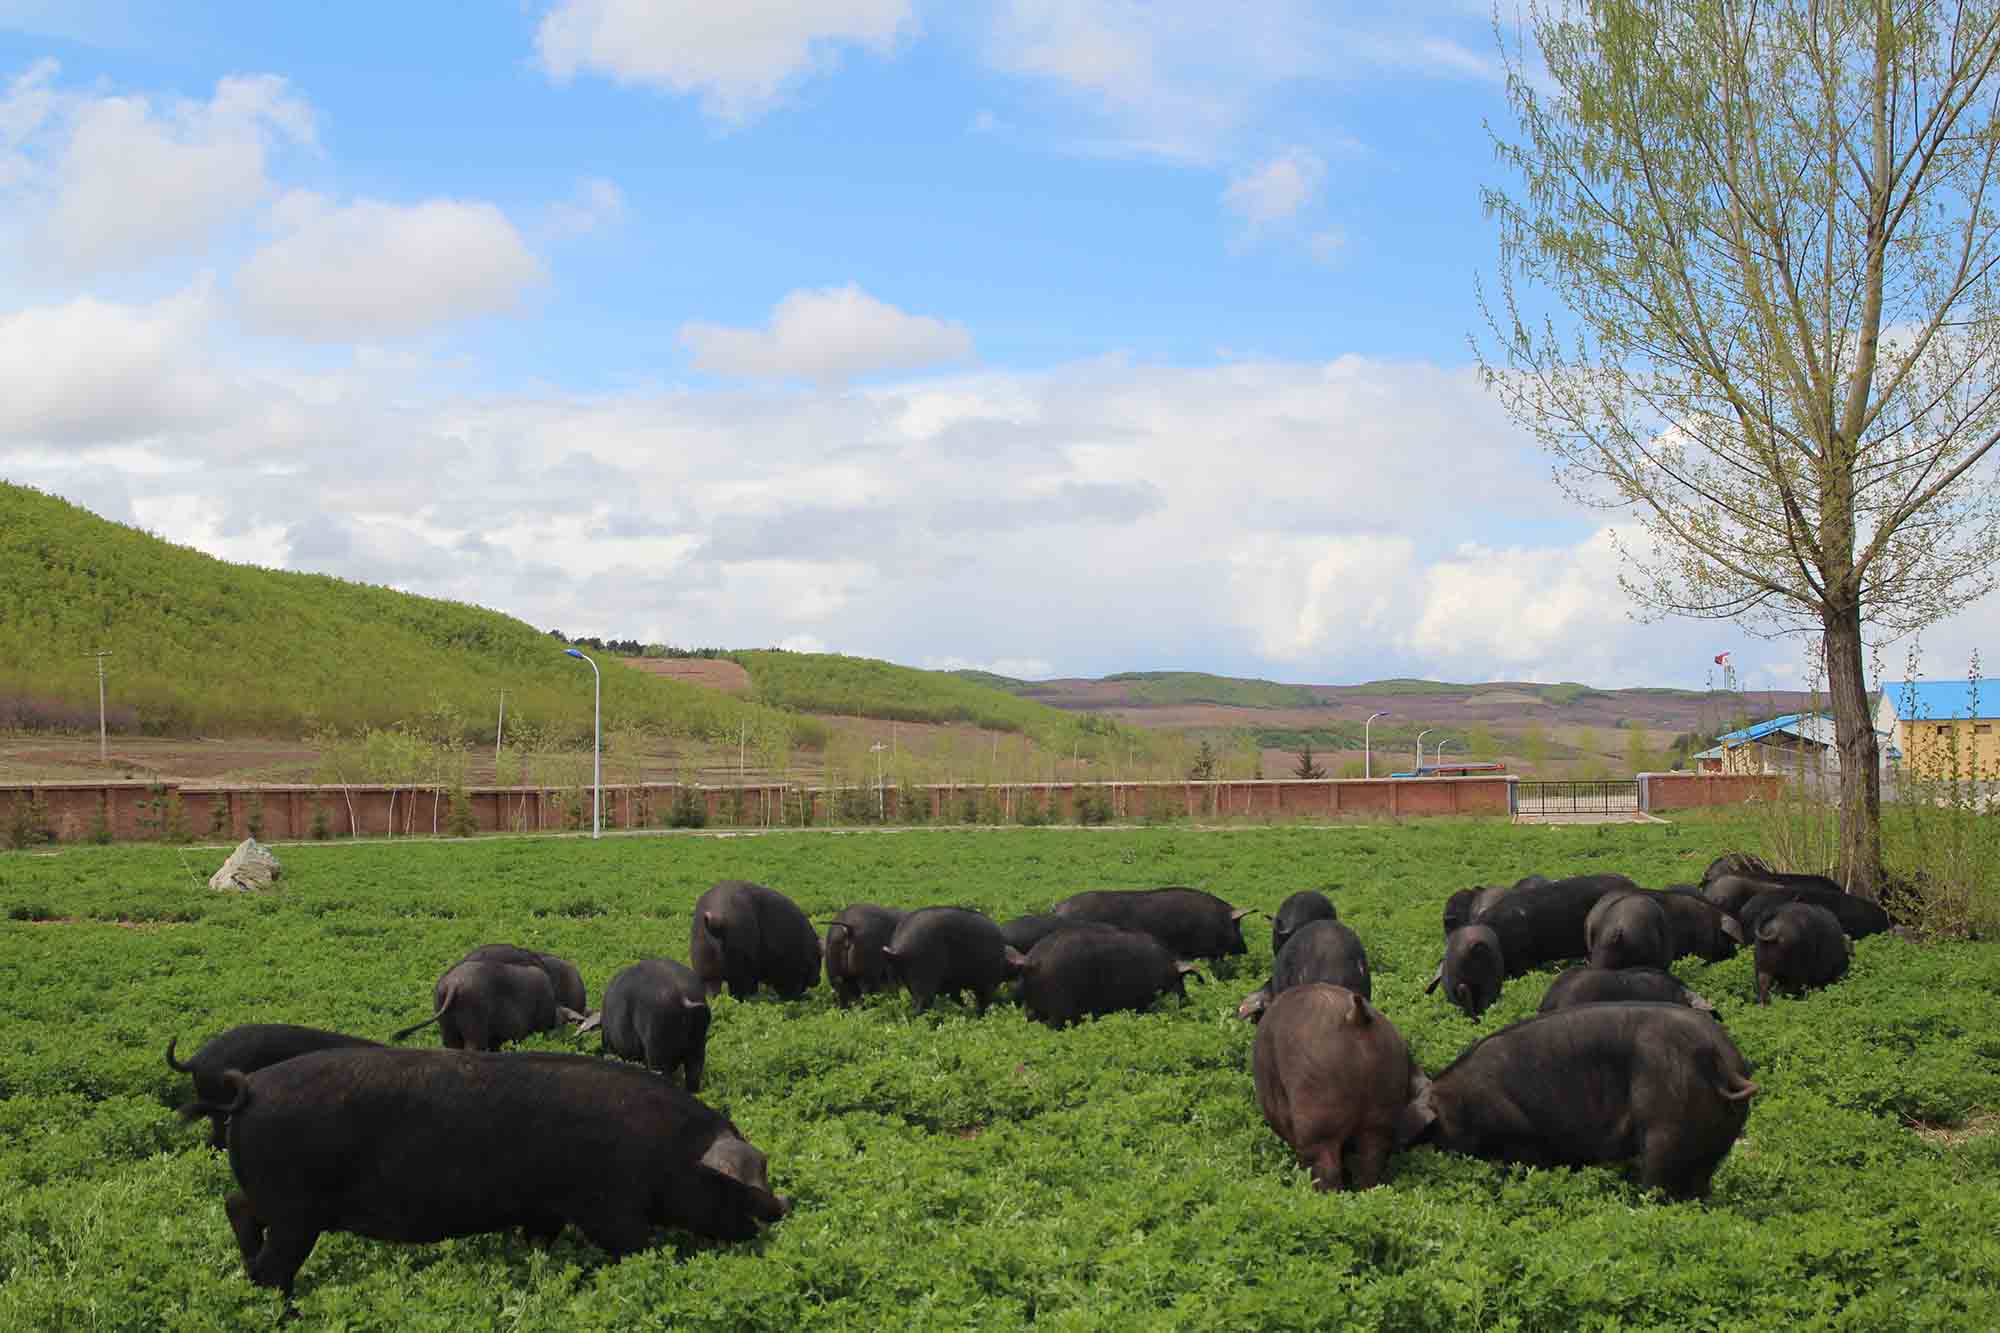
x=1719 y=657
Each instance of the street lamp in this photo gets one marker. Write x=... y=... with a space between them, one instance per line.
x=1420 y=746
x=881 y=804
x=1440 y=750
x=1367 y=751
x=596 y=742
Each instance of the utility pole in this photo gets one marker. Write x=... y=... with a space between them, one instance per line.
x=499 y=734
x=102 y=756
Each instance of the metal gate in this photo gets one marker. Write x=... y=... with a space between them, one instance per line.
x=1577 y=798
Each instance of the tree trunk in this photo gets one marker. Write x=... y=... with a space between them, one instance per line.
x=1860 y=761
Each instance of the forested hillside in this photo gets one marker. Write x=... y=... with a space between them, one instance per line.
x=865 y=687
x=203 y=646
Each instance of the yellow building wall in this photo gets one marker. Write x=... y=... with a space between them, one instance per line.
x=1929 y=748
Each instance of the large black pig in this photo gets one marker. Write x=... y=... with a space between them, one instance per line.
x=855 y=964
x=1324 y=951
x=1302 y=907
x=748 y=935
x=1528 y=927
x=1192 y=924
x=1628 y=930
x=566 y=981
x=483 y=1006
x=1701 y=928
x=1592 y=1084
x=247 y=1048
x=1025 y=932
x=425 y=1145
x=949 y=951
x=1857 y=916
x=1800 y=946
x=656 y=1012
x=1597 y=985
x=1092 y=970
x=1333 y=1078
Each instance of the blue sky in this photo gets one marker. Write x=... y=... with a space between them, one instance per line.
x=1057 y=336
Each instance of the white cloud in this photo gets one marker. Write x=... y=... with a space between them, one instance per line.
x=597 y=204
x=1326 y=244
x=372 y=269
x=1326 y=522
x=1277 y=190
x=91 y=372
x=117 y=182
x=828 y=335
x=1020 y=668
x=739 y=57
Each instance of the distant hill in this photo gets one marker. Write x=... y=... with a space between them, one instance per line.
x=200 y=645
x=867 y=687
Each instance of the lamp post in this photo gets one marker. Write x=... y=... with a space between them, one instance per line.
x=596 y=742
x=1367 y=750
x=881 y=804
x=1440 y=750
x=1420 y=746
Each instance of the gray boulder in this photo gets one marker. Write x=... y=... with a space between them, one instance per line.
x=251 y=868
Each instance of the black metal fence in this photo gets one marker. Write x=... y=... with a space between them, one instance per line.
x=1577 y=798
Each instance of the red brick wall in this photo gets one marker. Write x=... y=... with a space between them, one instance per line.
x=1685 y=791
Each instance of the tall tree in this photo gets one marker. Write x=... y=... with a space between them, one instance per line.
x=1773 y=229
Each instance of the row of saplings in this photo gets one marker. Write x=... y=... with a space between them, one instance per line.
x=330 y=1132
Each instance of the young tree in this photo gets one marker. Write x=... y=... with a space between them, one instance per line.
x=1773 y=228
x=1306 y=768
x=1203 y=767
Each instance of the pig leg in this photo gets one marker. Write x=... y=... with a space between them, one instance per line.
x=1665 y=1167
x=617 y=1233
x=982 y=998
x=286 y=1245
x=249 y=1229
x=1323 y=1160
x=692 y=1067
x=1371 y=1154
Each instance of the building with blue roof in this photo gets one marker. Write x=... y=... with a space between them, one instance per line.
x=1794 y=743
x=1934 y=726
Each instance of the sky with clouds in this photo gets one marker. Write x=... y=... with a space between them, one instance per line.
x=1050 y=336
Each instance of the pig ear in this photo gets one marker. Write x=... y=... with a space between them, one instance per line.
x=1254 y=1004
x=1436 y=977
x=713 y=922
x=1187 y=969
x=1017 y=961
x=1733 y=928
x=1238 y=913
x=1768 y=931
x=1357 y=1012
x=1415 y=1120
x=589 y=1024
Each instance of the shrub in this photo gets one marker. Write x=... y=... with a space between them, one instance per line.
x=218 y=816
x=461 y=822
x=253 y=816
x=322 y=827
x=100 y=823
x=173 y=819
x=690 y=810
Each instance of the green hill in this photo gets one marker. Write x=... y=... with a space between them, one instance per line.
x=203 y=646
x=1199 y=687
x=865 y=687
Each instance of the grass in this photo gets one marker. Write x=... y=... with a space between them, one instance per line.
x=954 y=1172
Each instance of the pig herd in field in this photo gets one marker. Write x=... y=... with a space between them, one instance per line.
x=329 y=1132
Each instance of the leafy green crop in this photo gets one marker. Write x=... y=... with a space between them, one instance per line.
x=954 y=1172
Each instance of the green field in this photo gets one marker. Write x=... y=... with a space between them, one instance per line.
x=953 y=1172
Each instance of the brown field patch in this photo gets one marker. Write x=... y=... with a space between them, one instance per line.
x=729 y=677
x=1978 y=1125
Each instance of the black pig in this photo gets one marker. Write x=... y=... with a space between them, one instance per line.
x=1592 y=1084
x=424 y=1145
x=1800 y=946
x=748 y=935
